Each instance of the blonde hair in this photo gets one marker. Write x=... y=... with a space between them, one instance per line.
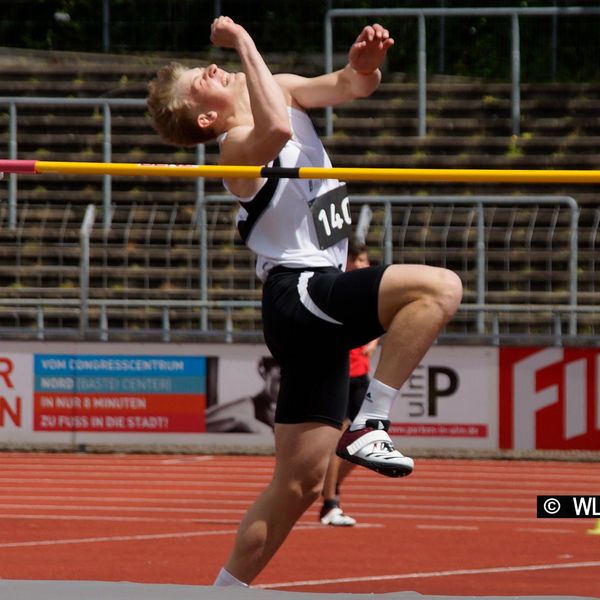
x=173 y=117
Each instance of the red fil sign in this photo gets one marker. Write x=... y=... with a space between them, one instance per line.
x=549 y=398
x=11 y=404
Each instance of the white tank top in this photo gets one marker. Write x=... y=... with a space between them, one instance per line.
x=277 y=223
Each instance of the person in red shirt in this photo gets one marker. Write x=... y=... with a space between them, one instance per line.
x=360 y=364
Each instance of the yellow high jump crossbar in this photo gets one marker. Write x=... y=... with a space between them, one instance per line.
x=342 y=173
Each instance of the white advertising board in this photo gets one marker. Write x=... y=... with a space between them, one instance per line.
x=16 y=396
x=450 y=400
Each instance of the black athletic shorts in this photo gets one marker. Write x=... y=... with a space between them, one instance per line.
x=312 y=318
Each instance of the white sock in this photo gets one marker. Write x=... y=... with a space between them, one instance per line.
x=225 y=578
x=376 y=405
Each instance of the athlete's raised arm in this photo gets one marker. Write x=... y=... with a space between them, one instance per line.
x=359 y=78
x=258 y=127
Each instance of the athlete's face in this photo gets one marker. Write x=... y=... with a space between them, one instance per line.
x=210 y=87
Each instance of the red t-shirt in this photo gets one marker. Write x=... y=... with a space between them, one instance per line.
x=359 y=362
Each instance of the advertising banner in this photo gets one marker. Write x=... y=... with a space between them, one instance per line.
x=142 y=394
x=457 y=397
x=450 y=400
x=549 y=398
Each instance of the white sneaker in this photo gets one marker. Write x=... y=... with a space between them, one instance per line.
x=337 y=518
x=372 y=447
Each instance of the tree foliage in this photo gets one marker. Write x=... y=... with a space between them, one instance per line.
x=565 y=48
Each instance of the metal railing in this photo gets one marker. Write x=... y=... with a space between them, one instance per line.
x=421 y=14
x=84 y=267
x=228 y=334
x=106 y=103
x=481 y=308
x=396 y=216
x=103 y=331
x=479 y=202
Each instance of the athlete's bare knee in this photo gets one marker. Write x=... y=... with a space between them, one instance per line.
x=448 y=292
x=302 y=488
x=433 y=289
x=303 y=452
x=302 y=494
x=311 y=484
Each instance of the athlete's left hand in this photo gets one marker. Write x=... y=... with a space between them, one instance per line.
x=369 y=50
x=225 y=33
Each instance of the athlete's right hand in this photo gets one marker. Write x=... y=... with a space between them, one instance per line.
x=225 y=33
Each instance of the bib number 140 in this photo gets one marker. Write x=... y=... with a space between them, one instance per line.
x=335 y=220
x=332 y=218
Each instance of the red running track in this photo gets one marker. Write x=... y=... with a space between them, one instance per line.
x=452 y=528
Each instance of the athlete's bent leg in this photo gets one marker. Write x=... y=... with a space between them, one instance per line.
x=302 y=454
x=414 y=303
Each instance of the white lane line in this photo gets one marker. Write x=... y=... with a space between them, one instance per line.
x=446 y=507
x=429 y=517
x=358 y=477
x=185 y=460
x=117 y=519
x=418 y=482
x=118 y=538
x=128 y=500
x=439 y=502
x=143 y=519
x=442 y=499
x=145 y=482
x=153 y=492
x=137 y=509
x=154 y=476
x=194 y=483
x=427 y=466
x=158 y=470
x=350 y=488
x=214 y=466
x=186 y=478
x=164 y=536
x=152 y=498
x=542 y=530
x=522 y=464
x=377 y=516
x=167 y=496
x=174 y=471
x=429 y=574
x=198 y=509
x=451 y=527
x=157 y=461
x=207 y=467
x=493 y=471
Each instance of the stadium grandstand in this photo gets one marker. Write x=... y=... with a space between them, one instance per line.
x=155 y=240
